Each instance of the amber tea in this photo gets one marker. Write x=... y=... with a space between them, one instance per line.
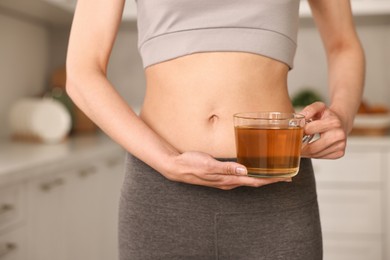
x=269 y=144
x=269 y=151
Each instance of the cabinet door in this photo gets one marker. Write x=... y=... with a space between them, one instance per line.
x=13 y=245
x=73 y=215
x=83 y=211
x=355 y=168
x=46 y=213
x=112 y=179
x=92 y=197
x=386 y=181
x=352 y=248
x=351 y=203
x=12 y=205
x=350 y=211
x=129 y=12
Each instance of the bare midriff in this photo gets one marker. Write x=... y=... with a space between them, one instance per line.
x=190 y=101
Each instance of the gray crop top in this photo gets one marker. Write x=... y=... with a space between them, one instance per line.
x=168 y=29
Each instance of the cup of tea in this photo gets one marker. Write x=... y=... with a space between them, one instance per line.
x=269 y=143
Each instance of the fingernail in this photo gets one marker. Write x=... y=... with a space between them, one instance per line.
x=241 y=171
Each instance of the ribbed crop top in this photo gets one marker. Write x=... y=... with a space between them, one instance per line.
x=168 y=29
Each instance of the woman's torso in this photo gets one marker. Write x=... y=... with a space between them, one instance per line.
x=190 y=101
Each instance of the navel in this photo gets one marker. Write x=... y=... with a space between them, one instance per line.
x=213 y=118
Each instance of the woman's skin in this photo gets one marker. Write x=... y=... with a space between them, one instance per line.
x=186 y=119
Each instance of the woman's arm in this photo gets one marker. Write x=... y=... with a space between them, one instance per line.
x=91 y=40
x=346 y=69
x=92 y=37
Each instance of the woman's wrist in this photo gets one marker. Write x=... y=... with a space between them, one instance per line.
x=166 y=163
x=345 y=115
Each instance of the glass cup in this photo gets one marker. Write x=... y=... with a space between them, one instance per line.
x=269 y=143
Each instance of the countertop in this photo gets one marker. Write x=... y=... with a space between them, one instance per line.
x=20 y=160
x=23 y=160
x=369 y=141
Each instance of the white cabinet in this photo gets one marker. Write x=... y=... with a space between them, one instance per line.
x=46 y=214
x=112 y=177
x=60 y=12
x=129 y=12
x=386 y=203
x=62 y=203
x=69 y=5
x=83 y=212
x=13 y=245
x=12 y=206
x=56 y=13
x=73 y=213
x=92 y=199
x=353 y=203
x=355 y=248
x=359 y=7
x=12 y=226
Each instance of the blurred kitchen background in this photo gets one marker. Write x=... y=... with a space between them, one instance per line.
x=59 y=185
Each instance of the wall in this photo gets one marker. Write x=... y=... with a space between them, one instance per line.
x=375 y=35
x=310 y=63
x=30 y=52
x=23 y=61
x=125 y=68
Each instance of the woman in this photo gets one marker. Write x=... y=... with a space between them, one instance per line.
x=205 y=61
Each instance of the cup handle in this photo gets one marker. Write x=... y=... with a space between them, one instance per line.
x=307 y=138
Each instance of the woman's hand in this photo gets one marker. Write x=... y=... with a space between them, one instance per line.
x=202 y=169
x=331 y=128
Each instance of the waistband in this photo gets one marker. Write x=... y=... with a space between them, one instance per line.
x=143 y=185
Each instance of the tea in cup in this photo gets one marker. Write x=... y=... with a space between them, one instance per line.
x=269 y=143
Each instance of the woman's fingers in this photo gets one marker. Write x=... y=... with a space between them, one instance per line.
x=320 y=149
x=332 y=142
x=232 y=175
x=314 y=111
x=230 y=168
x=233 y=181
x=325 y=124
x=202 y=169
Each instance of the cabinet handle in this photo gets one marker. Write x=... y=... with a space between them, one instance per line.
x=7 y=248
x=114 y=161
x=87 y=171
x=6 y=208
x=47 y=186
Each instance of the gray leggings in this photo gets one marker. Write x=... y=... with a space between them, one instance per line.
x=161 y=219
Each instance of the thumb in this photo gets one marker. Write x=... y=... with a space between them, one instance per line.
x=232 y=168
